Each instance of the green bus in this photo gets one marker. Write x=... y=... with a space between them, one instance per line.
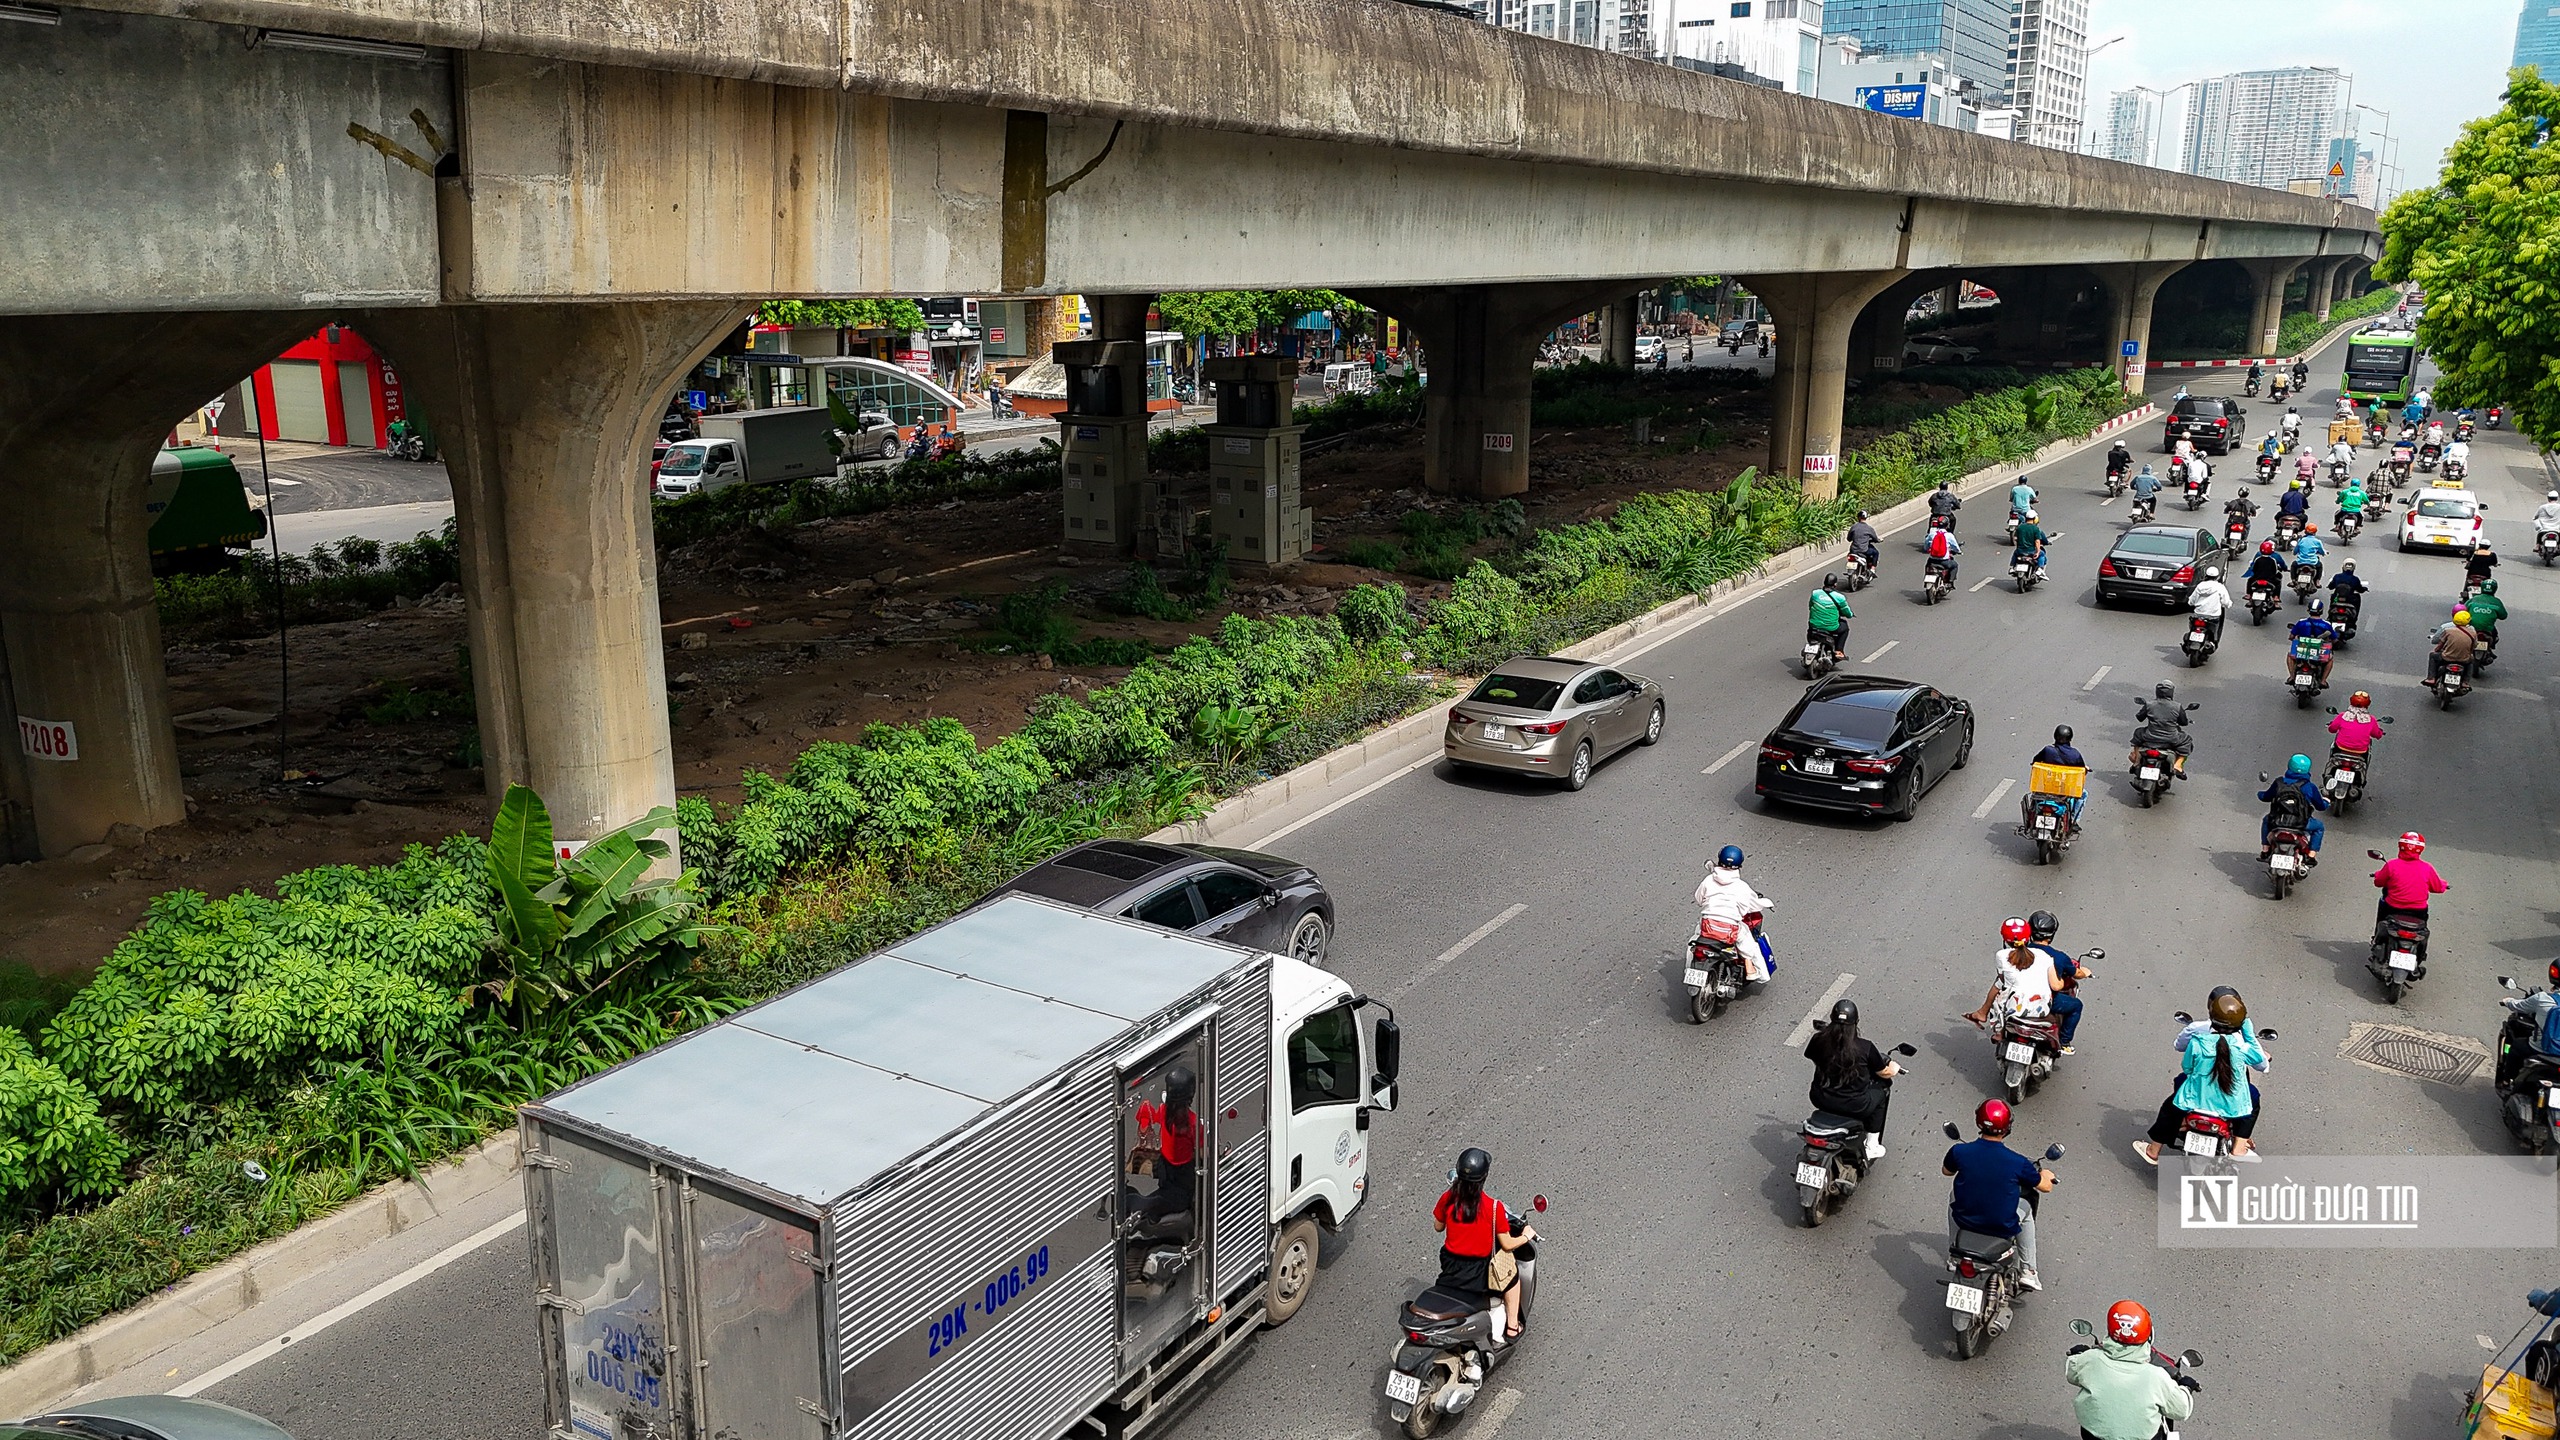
x=2381 y=365
x=199 y=510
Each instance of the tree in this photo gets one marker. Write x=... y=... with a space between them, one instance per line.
x=1244 y=312
x=2484 y=244
x=898 y=315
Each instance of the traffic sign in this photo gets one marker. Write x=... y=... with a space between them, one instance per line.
x=2132 y=348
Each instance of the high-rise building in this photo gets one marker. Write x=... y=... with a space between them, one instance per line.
x=2266 y=127
x=2049 y=70
x=2538 y=37
x=1775 y=42
x=1973 y=35
x=2133 y=126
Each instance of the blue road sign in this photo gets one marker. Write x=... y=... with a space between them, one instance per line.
x=2132 y=348
x=1910 y=102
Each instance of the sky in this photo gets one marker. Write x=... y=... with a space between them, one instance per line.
x=2433 y=64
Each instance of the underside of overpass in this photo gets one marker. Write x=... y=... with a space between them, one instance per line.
x=545 y=213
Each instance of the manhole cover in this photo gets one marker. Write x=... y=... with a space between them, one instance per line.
x=2419 y=1054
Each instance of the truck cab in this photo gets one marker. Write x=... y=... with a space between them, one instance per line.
x=693 y=466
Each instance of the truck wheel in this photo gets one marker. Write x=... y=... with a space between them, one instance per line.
x=1293 y=1271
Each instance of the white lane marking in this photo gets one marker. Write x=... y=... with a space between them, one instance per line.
x=1983 y=810
x=1731 y=755
x=1821 y=1011
x=327 y=1318
x=1496 y=1412
x=1978 y=584
x=1461 y=948
x=2094 y=679
x=2103 y=504
x=1362 y=793
x=1871 y=659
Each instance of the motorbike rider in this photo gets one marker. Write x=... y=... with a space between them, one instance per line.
x=2546 y=521
x=2119 y=459
x=2346 y=586
x=2120 y=1393
x=2458 y=453
x=2351 y=501
x=2042 y=926
x=2314 y=626
x=2482 y=560
x=1943 y=550
x=1850 y=1075
x=2407 y=880
x=2301 y=374
x=1726 y=894
x=2343 y=455
x=2353 y=730
x=2023 y=980
x=1864 y=542
x=2453 y=641
x=2162 y=725
x=2022 y=497
x=1944 y=500
x=2146 y=486
x=2307 y=550
x=2294 y=788
x=2296 y=501
x=1827 y=616
x=1990 y=1193
x=2031 y=544
x=2306 y=467
x=1474 y=1228
x=2270 y=447
x=2215 y=1056
x=2060 y=752
x=2486 y=611
x=2211 y=600
x=2290 y=427
x=2257 y=371
x=2241 y=505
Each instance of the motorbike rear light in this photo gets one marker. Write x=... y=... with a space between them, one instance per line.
x=1817 y=1142
x=2107 y=568
x=1873 y=767
x=1966 y=1269
x=1549 y=728
x=1416 y=1337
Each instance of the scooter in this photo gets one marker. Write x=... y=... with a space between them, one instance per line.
x=2024 y=572
x=2153 y=771
x=2249 y=386
x=2349 y=525
x=1861 y=572
x=1935 y=585
x=2199 y=643
x=1818 y=657
x=2049 y=822
x=2347 y=775
x=2527 y=1075
x=2030 y=1046
x=2235 y=534
x=2497 y=417
x=2288 y=847
x=1983 y=1289
x=2398 y=957
x=2195 y=487
x=2306 y=580
x=2262 y=597
x=2453 y=684
x=2116 y=477
x=2177 y=1365
x=2546 y=543
x=2427 y=458
x=2456 y=472
x=2145 y=507
x=2288 y=529
x=1834 y=1157
x=1452 y=1343
x=2266 y=469
x=2344 y=607
x=2337 y=473
x=1716 y=971
x=2208 y=1137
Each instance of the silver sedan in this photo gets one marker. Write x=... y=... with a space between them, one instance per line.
x=1540 y=715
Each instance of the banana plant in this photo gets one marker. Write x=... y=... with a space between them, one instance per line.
x=571 y=928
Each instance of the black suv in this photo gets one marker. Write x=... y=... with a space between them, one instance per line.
x=1239 y=896
x=2214 y=423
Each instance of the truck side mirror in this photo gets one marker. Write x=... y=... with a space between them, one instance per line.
x=1387 y=1049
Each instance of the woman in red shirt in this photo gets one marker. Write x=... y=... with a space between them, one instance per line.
x=1474 y=1226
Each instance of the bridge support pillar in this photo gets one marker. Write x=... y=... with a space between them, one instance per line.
x=1618 y=333
x=2266 y=315
x=546 y=414
x=85 y=402
x=1884 y=327
x=2324 y=284
x=2131 y=289
x=1814 y=314
x=1482 y=344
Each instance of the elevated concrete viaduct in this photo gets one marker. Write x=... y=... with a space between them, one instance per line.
x=545 y=209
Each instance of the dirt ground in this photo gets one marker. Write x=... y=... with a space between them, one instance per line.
x=773 y=642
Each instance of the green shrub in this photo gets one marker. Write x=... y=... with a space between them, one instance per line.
x=1369 y=554
x=1371 y=613
x=1142 y=593
x=53 y=1140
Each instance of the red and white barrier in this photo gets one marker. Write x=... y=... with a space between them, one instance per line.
x=2288 y=362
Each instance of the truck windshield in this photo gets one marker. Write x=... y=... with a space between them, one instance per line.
x=682 y=460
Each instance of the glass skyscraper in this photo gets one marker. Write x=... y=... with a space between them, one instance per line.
x=2538 y=37
x=1972 y=34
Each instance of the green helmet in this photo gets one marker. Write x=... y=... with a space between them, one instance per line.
x=2488 y=587
x=2298 y=767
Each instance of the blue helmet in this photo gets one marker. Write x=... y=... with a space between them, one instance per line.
x=1730 y=857
x=2299 y=767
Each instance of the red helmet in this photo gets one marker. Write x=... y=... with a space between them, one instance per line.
x=2266 y=547
x=2128 y=1323
x=2412 y=845
x=1991 y=1117
x=2014 y=930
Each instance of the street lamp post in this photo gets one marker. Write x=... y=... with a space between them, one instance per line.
x=2382 y=160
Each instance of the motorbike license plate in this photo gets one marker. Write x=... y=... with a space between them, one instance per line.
x=2150 y=772
x=2200 y=1144
x=1813 y=1175
x=1964 y=1298
x=2304 y=680
x=2281 y=864
x=2020 y=1053
x=1495 y=732
x=1402 y=1388
x=2551 y=1098
x=1822 y=767
x=1696 y=979
x=2044 y=822
x=2404 y=960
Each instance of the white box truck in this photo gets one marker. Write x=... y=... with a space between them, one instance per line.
x=1030 y=1173
x=751 y=447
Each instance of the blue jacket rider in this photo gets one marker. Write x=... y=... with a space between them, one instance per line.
x=2295 y=781
x=2309 y=551
x=2146 y=484
x=2295 y=501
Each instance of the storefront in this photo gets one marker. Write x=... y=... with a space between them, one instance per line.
x=332 y=389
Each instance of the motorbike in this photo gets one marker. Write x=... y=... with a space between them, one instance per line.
x=2194 y=489
x=1935 y=585
x=2154 y=771
x=2527 y=1075
x=2262 y=597
x=2306 y=580
x=2288 y=847
x=2199 y=643
x=2117 y=475
x=1818 y=657
x=1450 y=1346
x=2249 y=386
x=2350 y=524
x=2050 y=822
x=2288 y=529
x=1983 y=1291
x=2024 y=572
x=1861 y=572
x=2453 y=684
x=2266 y=469
x=2235 y=534
x=2546 y=543
x=2463 y=432
x=1834 y=1157
x=2486 y=653
x=2010 y=535
x=2397 y=471
x=2177 y=1365
x=2145 y=507
x=2398 y=957
x=2337 y=473
x=2208 y=1137
x=2456 y=471
x=2344 y=606
x=1716 y=971
x=2030 y=1046
x=2428 y=455
x=2497 y=417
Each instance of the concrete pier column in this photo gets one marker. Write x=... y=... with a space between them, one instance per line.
x=85 y=402
x=1884 y=327
x=1482 y=341
x=1618 y=333
x=2324 y=284
x=2266 y=314
x=546 y=415
x=2131 y=289
x=1814 y=314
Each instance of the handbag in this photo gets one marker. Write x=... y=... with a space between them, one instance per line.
x=1502 y=1270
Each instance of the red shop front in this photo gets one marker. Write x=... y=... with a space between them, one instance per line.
x=332 y=389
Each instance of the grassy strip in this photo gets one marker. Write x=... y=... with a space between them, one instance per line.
x=853 y=848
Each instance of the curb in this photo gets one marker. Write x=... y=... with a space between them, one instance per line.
x=241 y=1283
x=1417 y=735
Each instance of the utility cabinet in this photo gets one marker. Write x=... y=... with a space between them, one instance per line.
x=1254 y=507
x=1103 y=440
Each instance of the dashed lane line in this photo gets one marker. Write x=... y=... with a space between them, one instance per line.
x=1879 y=652
x=2094 y=679
x=1821 y=1010
x=1978 y=584
x=1453 y=952
x=1731 y=755
x=1983 y=810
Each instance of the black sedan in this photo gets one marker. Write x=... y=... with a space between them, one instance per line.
x=1239 y=896
x=2157 y=563
x=1867 y=743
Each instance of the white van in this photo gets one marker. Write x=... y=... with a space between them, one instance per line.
x=691 y=465
x=1353 y=375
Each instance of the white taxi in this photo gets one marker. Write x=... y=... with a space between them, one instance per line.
x=2442 y=517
